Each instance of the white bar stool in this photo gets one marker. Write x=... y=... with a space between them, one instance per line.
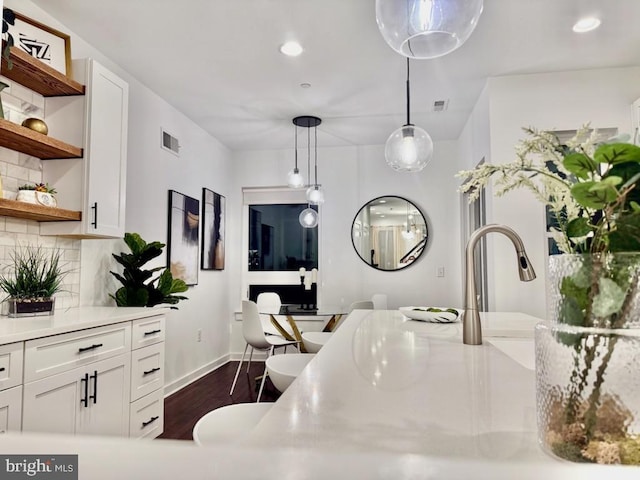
x=229 y=424
x=283 y=369
x=314 y=341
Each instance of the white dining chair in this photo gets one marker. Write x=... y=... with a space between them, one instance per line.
x=361 y=305
x=314 y=341
x=379 y=301
x=270 y=303
x=256 y=339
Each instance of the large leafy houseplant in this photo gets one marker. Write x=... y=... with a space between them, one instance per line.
x=590 y=188
x=139 y=288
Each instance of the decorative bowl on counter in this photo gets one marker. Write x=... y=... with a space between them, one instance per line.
x=432 y=314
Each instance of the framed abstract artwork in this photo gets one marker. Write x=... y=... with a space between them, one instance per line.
x=47 y=44
x=213 y=223
x=184 y=227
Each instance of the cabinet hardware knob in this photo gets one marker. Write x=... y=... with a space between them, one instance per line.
x=151 y=420
x=85 y=401
x=148 y=372
x=94 y=224
x=2 y=369
x=152 y=332
x=92 y=347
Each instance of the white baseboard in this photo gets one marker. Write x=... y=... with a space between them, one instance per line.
x=191 y=377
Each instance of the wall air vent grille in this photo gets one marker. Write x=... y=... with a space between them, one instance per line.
x=440 y=105
x=170 y=143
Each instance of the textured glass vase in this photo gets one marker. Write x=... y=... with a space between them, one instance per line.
x=587 y=358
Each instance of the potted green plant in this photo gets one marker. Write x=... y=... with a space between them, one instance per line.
x=32 y=279
x=8 y=18
x=587 y=351
x=139 y=288
x=38 y=193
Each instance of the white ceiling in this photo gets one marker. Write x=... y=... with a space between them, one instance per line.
x=218 y=61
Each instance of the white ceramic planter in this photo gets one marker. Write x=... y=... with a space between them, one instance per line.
x=39 y=198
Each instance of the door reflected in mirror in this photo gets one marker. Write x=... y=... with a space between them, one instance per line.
x=389 y=233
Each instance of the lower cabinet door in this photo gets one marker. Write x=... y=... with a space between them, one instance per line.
x=93 y=399
x=11 y=409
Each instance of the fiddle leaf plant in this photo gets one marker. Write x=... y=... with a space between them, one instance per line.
x=139 y=288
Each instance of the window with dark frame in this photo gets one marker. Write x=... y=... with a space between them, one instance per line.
x=277 y=241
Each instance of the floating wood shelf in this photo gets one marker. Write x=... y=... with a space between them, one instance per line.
x=31 y=211
x=19 y=138
x=38 y=76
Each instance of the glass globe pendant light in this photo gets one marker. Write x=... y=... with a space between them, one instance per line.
x=295 y=178
x=427 y=28
x=409 y=148
x=309 y=217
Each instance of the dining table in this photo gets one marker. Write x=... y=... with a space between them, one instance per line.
x=290 y=312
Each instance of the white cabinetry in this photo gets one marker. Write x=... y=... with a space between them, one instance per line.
x=147 y=378
x=96 y=183
x=88 y=381
x=86 y=400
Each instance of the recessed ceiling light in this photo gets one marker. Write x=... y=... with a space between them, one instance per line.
x=383 y=201
x=291 y=49
x=586 y=24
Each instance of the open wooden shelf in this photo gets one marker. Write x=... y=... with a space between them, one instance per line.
x=22 y=139
x=38 y=76
x=31 y=211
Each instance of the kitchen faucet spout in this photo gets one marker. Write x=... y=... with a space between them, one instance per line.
x=471 y=329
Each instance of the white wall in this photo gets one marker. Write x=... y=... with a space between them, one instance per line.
x=554 y=101
x=351 y=176
x=151 y=172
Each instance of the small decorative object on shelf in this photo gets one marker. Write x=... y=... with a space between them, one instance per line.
x=32 y=279
x=38 y=193
x=36 y=125
x=2 y=87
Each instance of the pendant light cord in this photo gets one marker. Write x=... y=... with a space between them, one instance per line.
x=315 y=161
x=296 y=155
x=408 y=94
x=308 y=156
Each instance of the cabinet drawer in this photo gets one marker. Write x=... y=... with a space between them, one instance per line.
x=10 y=365
x=147 y=370
x=11 y=410
x=147 y=416
x=147 y=331
x=51 y=355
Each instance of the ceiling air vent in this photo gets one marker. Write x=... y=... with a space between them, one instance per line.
x=170 y=143
x=440 y=105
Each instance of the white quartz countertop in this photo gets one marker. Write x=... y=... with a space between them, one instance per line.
x=63 y=321
x=386 y=398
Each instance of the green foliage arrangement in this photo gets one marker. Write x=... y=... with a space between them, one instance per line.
x=35 y=273
x=139 y=289
x=38 y=187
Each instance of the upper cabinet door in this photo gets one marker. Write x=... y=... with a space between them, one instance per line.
x=105 y=152
x=95 y=184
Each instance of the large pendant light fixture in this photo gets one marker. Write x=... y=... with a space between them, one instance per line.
x=295 y=178
x=409 y=148
x=309 y=217
x=427 y=28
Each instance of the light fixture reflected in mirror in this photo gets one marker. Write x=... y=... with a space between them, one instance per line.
x=427 y=28
x=409 y=148
x=389 y=233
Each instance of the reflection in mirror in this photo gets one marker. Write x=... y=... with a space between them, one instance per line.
x=389 y=233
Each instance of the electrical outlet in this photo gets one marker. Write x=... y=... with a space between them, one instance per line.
x=199 y=335
x=440 y=272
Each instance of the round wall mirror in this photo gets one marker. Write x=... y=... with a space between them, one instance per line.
x=389 y=233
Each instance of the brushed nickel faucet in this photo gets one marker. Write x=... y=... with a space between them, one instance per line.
x=471 y=329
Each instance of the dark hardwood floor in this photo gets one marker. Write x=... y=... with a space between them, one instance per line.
x=183 y=409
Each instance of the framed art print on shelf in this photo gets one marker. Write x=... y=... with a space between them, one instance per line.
x=213 y=219
x=184 y=226
x=47 y=44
